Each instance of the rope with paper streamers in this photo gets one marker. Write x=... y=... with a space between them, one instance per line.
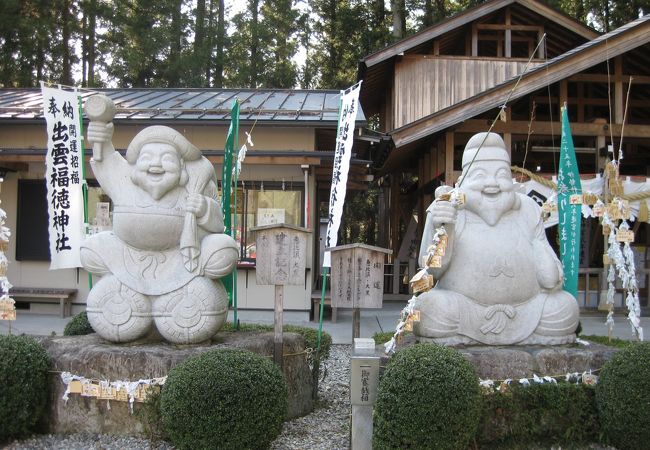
x=125 y=390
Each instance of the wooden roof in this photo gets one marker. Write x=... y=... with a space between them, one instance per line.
x=627 y=38
x=563 y=33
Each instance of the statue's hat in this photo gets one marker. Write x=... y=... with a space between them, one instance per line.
x=164 y=135
x=485 y=147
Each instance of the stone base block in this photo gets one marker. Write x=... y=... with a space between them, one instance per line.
x=92 y=357
x=501 y=362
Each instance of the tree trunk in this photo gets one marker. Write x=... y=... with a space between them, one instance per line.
x=221 y=39
x=255 y=45
x=399 y=18
x=66 y=45
x=200 y=47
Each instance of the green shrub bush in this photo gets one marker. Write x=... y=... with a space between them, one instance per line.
x=78 y=326
x=561 y=414
x=428 y=398
x=24 y=366
x=227 y=399
x=623 y=397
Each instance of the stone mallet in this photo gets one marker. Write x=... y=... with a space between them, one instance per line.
x=100 y=109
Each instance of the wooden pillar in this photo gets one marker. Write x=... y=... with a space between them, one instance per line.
x=507 y=135
x=581 y=102
x=277 y=328
x=474 y=40
x=564 y=95
x=449 y=158
x=618 y=89
x=541 y=50
x=420 y=205
x=394 y=213
x=426 y=198
x=508 y=36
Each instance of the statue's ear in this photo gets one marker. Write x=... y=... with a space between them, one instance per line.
x=184 y=176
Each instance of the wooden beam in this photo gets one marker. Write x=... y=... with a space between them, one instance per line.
x=270 y=160
x=547 y=128
x=602 y=78
x=509 y=27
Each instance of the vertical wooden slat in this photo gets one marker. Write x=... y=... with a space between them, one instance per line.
x=474 y=40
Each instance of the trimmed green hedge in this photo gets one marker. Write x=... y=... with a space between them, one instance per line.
x=78 y=326
x=227 y=399
x=543 y=414
x=428 y=398
x=24 y=386
x=623 y=395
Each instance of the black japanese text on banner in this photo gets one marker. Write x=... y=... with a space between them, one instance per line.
x=63 y=176
x=341 y=165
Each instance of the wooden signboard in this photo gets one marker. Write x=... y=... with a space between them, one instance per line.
x=281 y=259
x=281 y=254
x=358 y=276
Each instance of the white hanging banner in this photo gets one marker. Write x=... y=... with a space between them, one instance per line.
x=63 y=176
x=341 y=166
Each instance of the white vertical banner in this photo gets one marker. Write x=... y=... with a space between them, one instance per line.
x=63 y=176
x=341 y=166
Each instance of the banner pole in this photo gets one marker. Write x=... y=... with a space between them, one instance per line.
x=84 y=186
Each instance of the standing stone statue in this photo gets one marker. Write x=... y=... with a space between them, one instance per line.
x=499 y=280
x=162 y=260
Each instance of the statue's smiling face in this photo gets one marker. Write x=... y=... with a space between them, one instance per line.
x=489 y=189
x=157 y=169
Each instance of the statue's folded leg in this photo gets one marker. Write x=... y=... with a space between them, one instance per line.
x=193 y=313
x=558 y=321
x=439 y=317
x=116 y=312
x=218 y=255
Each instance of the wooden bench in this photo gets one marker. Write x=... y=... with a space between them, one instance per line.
x=61 y=296
x=315 y=300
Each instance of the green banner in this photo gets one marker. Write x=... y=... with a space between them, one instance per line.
x=569 y=195
x=232 y=140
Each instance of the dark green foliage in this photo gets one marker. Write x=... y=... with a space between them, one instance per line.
x=428 y=398
x=24 y=366
x=383 y=337
x=226 y=399
x=310 y=335
x=548 y=414
x=623 y=396
x=78 y=326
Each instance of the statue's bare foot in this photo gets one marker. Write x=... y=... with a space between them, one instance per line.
x=116 y=312
x=193 y=313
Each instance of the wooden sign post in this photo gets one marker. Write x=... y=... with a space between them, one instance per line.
x=281 y=260
x=357 y=279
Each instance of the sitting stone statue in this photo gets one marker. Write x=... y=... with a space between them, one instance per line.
x=499 y=280
x=167 y=244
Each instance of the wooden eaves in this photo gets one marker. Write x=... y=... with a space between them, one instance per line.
x=594 y=52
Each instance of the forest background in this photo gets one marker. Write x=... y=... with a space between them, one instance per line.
x=314 y=44
x=283 y=44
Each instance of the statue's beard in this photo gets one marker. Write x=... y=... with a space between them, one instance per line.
x=156 y=189
x=491 y=210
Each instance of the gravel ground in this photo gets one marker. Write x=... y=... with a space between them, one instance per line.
x=326 y=428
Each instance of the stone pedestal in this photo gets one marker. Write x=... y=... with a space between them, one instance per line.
x=501 y=362
x=92 y=357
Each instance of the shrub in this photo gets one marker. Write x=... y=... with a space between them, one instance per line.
x=604 y=340
x=428 y=398
x=543 y=414
x=228 y=399
x=623 y=397
x=24 y=366
x=78 y=326
x=383 y=337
